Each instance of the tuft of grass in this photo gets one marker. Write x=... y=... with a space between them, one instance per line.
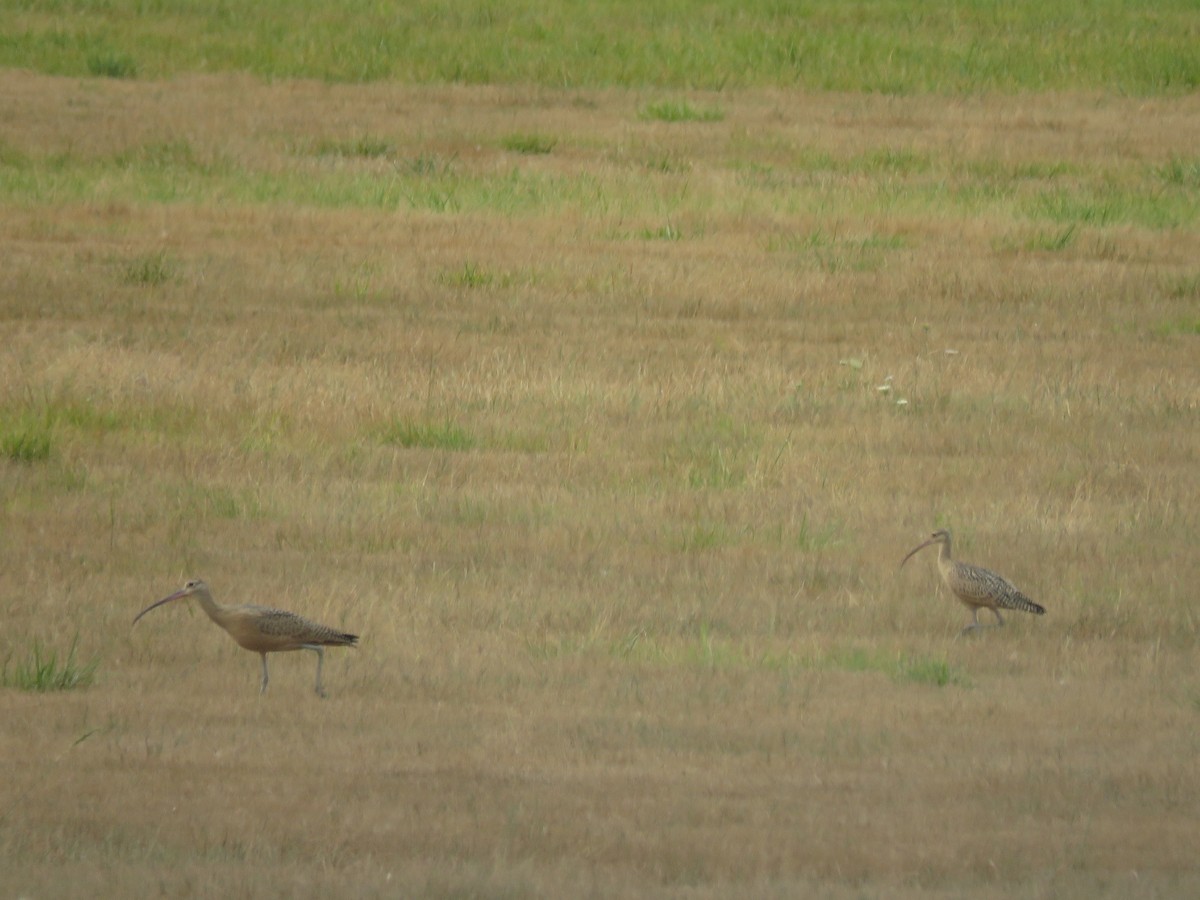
x=1185 y=287
x=437 y=436
x=110 y=64
x=225 y=503
x=669 y=164
x=1182 y=326
x=667 y=232
x=27 y=441
x=365 y=146
x=893 y=161
x=529 y=144
x=11 y=157
x=917 y=670
x=810 y=536
x=833 y=253
x=1064 y=205
x=1181 y=171
x=43 y=670
x=469 y=276
x=428 y=165
x=937 y=672
x=679 y=111
x=1052 y=241
x=151 y=270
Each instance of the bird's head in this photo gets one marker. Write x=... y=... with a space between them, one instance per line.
x=194 y=586
x=941 y=536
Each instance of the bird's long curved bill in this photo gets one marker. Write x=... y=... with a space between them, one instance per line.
x=158 y=603
x=902 y=562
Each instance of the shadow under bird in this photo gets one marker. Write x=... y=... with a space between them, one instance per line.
x=976 y=587
x=263 y=630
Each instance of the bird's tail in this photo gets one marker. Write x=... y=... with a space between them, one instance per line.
x=1017 y=600
x=341 y=639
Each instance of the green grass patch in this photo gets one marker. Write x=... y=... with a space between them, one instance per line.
x=175 y=173
x=679 y=111
x=923 y=670
x=175 y=156
x=701 y=648
x=718 y=454
x=29 y=430
x=1101 y=205
x=430 y=165
x=892 y=161
x=227 y=503
x=11 y=157
x=1022 y=46
x=893 y=180
x=900 y=668
x=704 y=647
x=667 y=232
x=529 y=144
x=110 y=64
x=471 y=275
x=1181 y=326
x=44 y=670
x=1184 y=287
x=1053 y=241
x=432 y=435
x=150 y=270
x=27 y=440
x=809 y=536
x=1181 y=172
x=702 y=536
x=668 y=164
x=362 y=147
x=833 y=253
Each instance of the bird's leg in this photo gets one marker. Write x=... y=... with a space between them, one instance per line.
x=320 y=661
x=974 y=623
x=263 y=689
x=999 y=619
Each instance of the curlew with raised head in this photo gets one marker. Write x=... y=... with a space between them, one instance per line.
x=263 y=630
x=976 y=587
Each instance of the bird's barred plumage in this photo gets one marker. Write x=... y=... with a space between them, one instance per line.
x=281 y=623
x=976 y=587
x=983 y=587
x=264 y=630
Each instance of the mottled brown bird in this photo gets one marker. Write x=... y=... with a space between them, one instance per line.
x=262 y=629
x=975 y=586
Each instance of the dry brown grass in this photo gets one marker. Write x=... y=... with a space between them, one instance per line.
x=640 y=630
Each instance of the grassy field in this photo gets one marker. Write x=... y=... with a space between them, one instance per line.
x=605 y=415
x=890 y=46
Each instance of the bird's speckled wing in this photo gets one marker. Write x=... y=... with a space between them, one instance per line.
x=979 y=584
x=983 y=587
x=279 y=623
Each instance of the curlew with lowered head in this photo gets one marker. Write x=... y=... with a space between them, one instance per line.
x=262 y=629
x=976 y=587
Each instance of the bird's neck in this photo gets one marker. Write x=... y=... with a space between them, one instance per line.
x=215 y=610
x=944 y=553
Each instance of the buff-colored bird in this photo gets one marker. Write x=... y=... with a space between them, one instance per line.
x=263 y=630
x=976 y=587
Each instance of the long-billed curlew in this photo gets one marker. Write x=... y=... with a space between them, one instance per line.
x=262 y=629
x=975 y=586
